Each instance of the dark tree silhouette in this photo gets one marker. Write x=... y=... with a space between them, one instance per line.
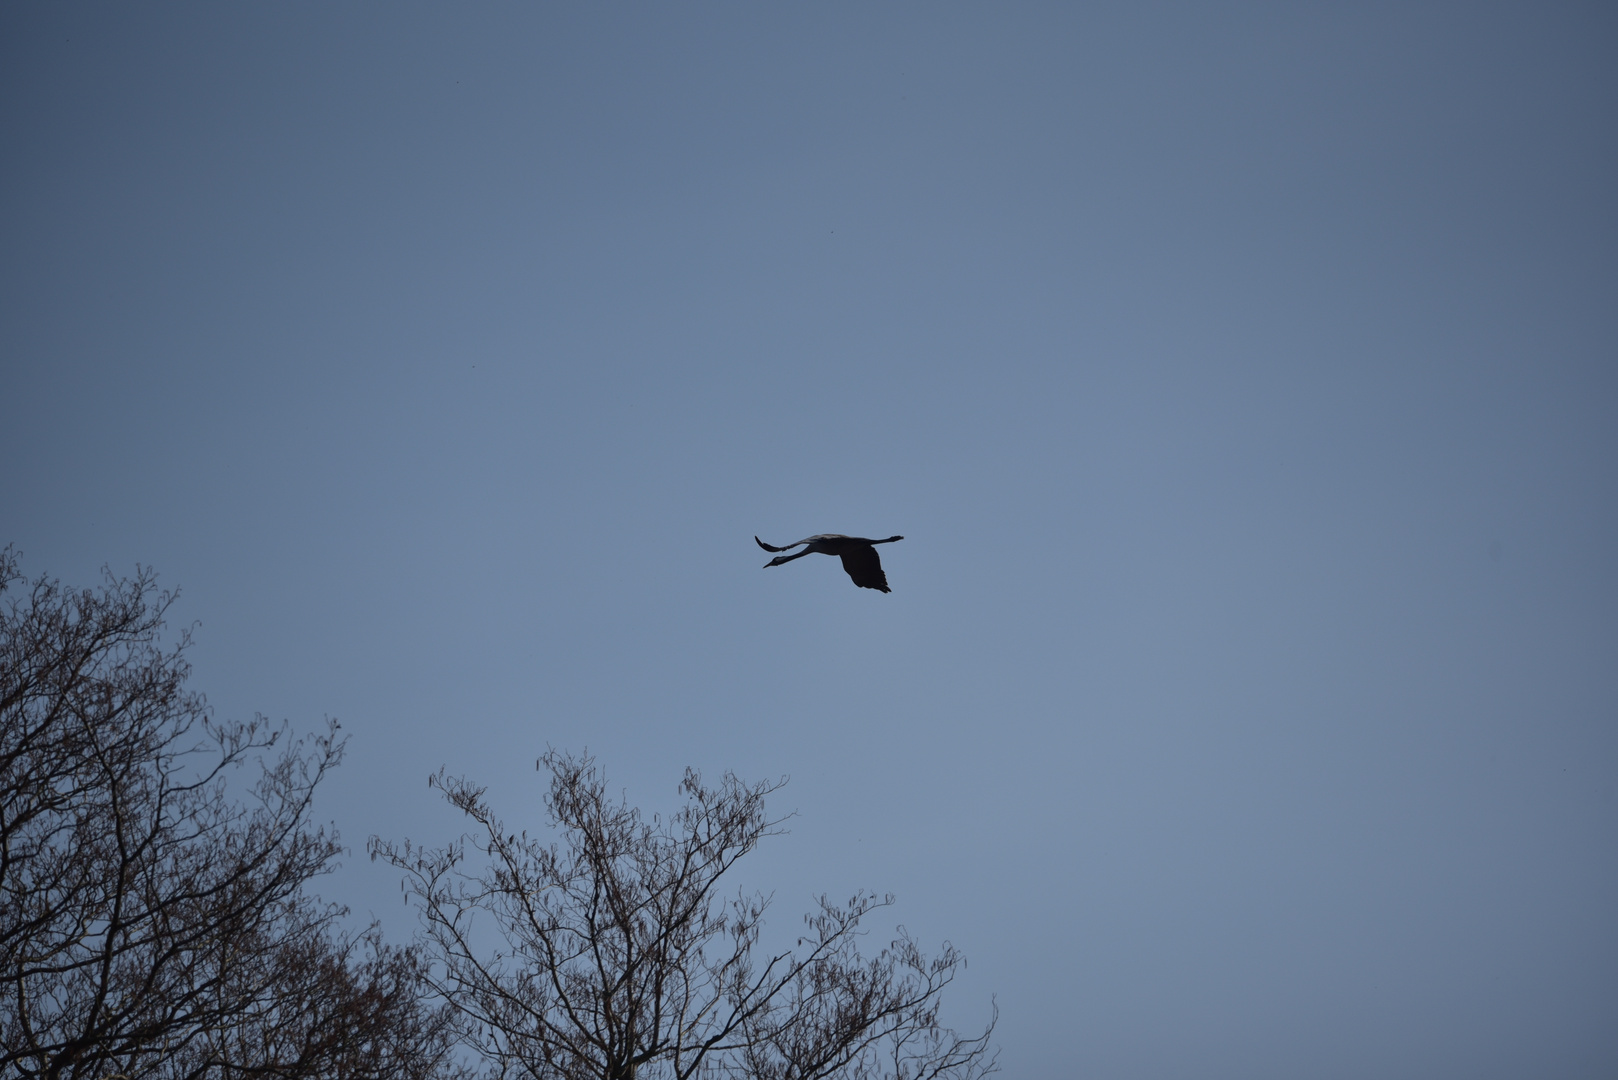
x=611 y=954
x=150 y=924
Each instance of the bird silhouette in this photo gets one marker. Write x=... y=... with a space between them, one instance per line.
x=858 y=555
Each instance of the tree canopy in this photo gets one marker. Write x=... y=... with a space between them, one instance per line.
x=157 y=917
x=152 y=923
x=617 y=956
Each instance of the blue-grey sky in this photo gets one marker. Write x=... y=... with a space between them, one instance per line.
x=1243 y=378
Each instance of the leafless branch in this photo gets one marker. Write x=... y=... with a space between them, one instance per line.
x=610 y=953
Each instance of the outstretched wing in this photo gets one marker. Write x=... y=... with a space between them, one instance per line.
x=865 y=568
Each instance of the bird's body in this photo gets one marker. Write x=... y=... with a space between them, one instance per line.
x=858 y=555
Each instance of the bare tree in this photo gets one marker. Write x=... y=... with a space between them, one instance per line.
x=150 y=924
x=340 y=1008
x=614 y=956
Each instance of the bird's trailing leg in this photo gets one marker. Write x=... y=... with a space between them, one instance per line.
x=784 y=558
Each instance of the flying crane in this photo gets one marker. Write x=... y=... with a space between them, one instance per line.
x=858 y=555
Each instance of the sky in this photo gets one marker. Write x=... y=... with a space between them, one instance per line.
x=1242 y=378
